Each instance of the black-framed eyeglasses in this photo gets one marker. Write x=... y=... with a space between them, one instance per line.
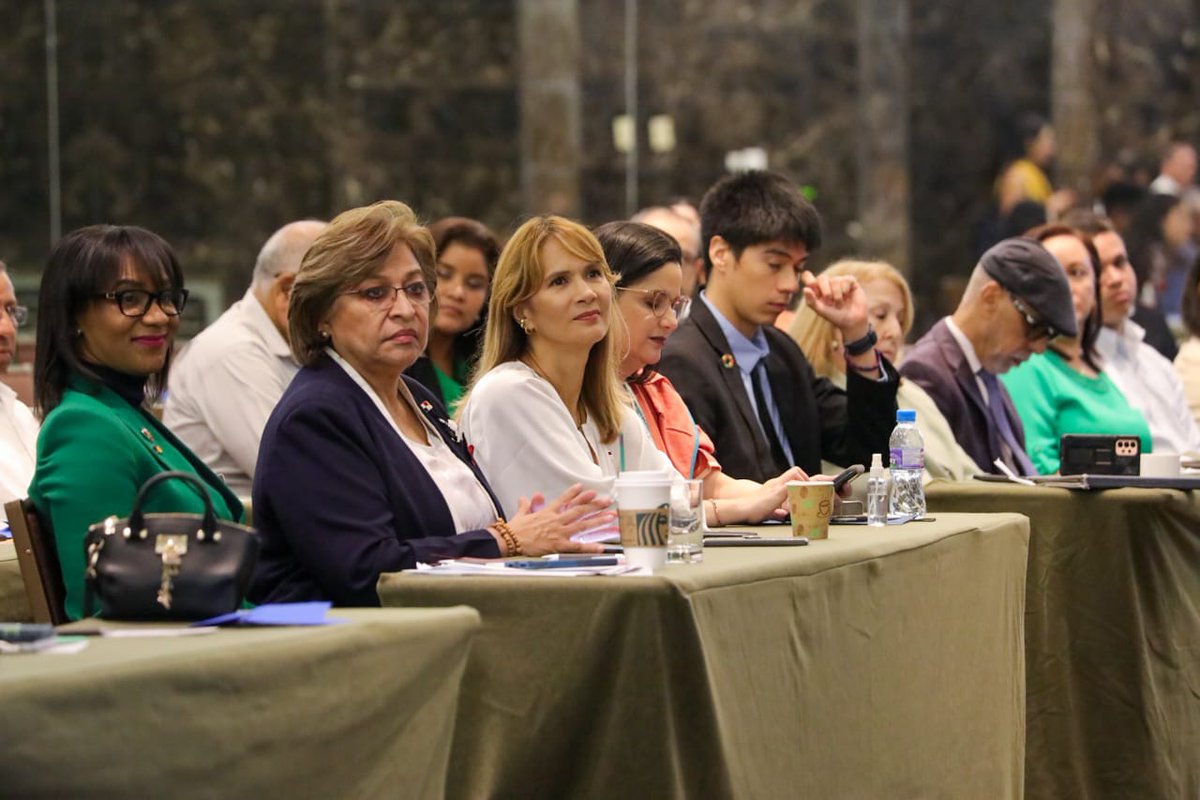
x=659 y=301
x=136 y=302
x=18 y=314
x=419 y=293
x=1036 y=328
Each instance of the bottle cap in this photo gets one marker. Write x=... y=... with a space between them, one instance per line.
x=876 y=463
x=906 y=415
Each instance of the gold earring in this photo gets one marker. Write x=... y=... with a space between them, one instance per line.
x=526 y=325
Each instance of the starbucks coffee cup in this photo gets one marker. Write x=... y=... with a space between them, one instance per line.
x=644 y=516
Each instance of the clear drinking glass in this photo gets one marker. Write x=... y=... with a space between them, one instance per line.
x=686 y=543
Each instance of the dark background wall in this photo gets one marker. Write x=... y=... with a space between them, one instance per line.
x=214 y=122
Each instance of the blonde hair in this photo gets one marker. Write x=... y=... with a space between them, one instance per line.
x=519 y=276
x=817 y=337
x=352 y=249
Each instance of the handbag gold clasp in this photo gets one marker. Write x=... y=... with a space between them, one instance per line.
x=172 y=547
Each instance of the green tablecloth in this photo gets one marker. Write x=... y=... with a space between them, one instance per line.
x=1112 y=635
x=363 y=709
x=14 y=605
x=879 y=663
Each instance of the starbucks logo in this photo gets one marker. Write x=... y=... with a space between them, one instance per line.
x=653 y=526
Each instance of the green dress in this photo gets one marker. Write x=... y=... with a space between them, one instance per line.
x=452 y=386
x=94 y=452
x=1053 y=399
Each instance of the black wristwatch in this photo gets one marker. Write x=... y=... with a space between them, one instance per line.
x=860 y=346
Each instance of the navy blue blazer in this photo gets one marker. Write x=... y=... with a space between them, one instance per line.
x=939 y=366
x=339 y=498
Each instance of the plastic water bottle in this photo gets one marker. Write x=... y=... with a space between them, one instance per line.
x=877 y=493
x=907 y=451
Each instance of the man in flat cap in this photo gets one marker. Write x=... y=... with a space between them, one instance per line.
x=1017 y=300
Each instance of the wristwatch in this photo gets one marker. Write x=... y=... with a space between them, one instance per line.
x=860 y=346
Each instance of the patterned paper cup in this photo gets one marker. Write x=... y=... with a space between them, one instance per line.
x=811 y=504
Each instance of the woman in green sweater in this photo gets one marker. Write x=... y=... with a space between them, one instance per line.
x=108 y=310
x=1065 y=390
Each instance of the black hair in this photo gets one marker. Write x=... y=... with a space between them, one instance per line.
x=470 y=233
x=86 y=263
x=477 y=236
x=1025 y=215
x=754 y=207
x=1121 y=196
x=634 y=250
x=1146 y=231
x=1191 y=299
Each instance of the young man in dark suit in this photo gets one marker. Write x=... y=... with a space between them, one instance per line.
x=747 y=384
x=1016 y=301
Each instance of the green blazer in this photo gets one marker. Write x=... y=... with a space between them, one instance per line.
x=94 y=452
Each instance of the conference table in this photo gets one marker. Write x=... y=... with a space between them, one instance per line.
x=881 y=662
x=365 y=708
x=14 y=605
x=1112 y=637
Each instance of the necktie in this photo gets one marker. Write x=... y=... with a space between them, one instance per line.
x=764 y=418
x=1011 y=451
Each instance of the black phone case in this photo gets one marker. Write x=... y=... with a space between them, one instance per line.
x=1100 y=454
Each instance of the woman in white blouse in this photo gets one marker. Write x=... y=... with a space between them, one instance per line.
x=359 y=471
x=547 y=409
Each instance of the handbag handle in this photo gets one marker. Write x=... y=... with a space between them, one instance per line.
x=208 y=524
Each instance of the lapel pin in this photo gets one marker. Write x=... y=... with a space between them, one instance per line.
x=728 y=361
x=149 y=436
x=426 y=406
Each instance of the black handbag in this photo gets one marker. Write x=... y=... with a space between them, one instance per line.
x=168 y=566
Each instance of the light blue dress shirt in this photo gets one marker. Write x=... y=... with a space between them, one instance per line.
x=748 y=354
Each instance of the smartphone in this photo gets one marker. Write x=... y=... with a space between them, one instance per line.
x=848 y=474
x=565 y=562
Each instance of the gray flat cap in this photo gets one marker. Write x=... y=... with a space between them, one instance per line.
x=1026 y=269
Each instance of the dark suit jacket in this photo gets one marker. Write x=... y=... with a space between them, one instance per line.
x=820 y=420
x=940 y=367
x=339 y=498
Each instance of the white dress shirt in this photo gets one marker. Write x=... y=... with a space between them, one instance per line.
x=1151 y=385
x=469 y=503
x=1187 y=366
x=526 y=440
x=972 y=357
x=18 y=447
x=225 y=385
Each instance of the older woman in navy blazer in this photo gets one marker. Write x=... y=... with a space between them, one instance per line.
x=359 y=471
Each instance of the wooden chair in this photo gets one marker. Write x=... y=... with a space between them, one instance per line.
x=38 y=560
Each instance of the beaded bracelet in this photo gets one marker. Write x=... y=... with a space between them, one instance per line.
x=510 y=540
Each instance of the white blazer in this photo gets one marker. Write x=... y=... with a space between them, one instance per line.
x=526 y=440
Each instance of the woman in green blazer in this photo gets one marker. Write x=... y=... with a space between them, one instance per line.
x=108 y=308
